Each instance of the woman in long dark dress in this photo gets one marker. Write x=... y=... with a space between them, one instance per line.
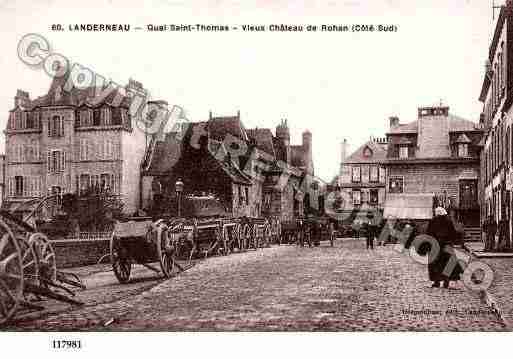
x=442 y=230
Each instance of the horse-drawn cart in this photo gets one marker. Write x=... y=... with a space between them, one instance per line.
x=206 y=230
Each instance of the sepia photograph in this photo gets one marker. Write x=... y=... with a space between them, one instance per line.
x=256 y=167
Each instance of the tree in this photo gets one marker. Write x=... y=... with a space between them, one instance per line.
x=93 y=210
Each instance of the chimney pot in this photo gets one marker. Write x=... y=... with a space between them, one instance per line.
x=394 y=121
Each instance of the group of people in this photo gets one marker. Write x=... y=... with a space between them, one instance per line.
x=496 y=234
x=440 y=249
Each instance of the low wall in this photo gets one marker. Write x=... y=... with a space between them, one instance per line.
x=79 y=252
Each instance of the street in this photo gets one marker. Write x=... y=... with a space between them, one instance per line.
x=282 y=288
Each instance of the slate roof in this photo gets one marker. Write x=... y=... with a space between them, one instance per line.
x=76 y=97
x=297 y=156
x=379 y=153
x=456 y=124
x=263 y=138
x=219 y=127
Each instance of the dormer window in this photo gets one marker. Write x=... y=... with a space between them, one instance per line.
x=403 y=151
x=367 y=152
x=55 y=126
x=462 y=143
x=462 y=150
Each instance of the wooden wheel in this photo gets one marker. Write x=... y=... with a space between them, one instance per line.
x=239 y=232
x=121 y=264
x=11 y=273
x=267 y=235
x=166 y=252
x=29 y=261
x=226 y=240
x=249 y=236
x=45 y=255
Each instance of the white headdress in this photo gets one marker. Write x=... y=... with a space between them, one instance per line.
x=440 y=211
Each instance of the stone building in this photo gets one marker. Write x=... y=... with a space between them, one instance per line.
x=497 y=98
x=253 y=172
x=2 y=179
x=362 y=176
x=69 y=141
x=437 y=156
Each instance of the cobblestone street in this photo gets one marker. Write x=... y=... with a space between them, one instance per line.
x=345 y=288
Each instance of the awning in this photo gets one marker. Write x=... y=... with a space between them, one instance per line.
x=409 y=206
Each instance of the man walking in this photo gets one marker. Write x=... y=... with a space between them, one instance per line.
x=369 y=231
x=490 y=229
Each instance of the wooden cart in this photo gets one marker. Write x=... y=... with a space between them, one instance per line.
x=28 y=269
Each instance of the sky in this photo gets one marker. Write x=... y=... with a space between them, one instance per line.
x=337 y=85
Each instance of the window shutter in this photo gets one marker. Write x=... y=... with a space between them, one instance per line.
x=49 y=161
x=63 y=161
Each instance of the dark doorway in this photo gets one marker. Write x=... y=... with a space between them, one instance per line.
x=469 y=206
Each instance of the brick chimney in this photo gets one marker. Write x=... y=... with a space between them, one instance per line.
x=394 y=121
x=22 y=99
x=343 y=151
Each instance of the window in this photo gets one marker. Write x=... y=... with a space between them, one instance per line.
x=403 y=151
x=357 y=198
x=462 y=150
x=56 y=161
x=84 y=150
x=85 y=118
x=55 y=127
x=106 y=116
x=241 y=195
x=97 y=114
x=374 y=174
x=382 y=175
x=396 y=185
x=18 y=189
x=374 y=196
x=365 y=173
x=356 y=175
x=107 y=150
x=84 y=183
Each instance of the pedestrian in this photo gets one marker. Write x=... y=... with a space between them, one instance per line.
x=332 y=233
x=410 y=232
x=369 y=231
x=503 y=234
x=490 y=228
x=442 y=230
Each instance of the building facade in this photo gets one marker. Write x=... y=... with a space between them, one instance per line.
x=69 y=142
x=497 y=98
x=252 y=171
x=437 y=156
x=362 y=177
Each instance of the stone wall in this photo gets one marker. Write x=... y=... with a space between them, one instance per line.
x=434 y=178
x=76 y=253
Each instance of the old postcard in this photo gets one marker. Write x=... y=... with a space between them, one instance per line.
x=255 y=166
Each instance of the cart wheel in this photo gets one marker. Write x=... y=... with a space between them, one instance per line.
x=248 y=237
x=121 y=264
x=11 y=273
x=256 y=236
x=166 y=253
x=30 y=262
x=267 y=235
x=239 y=230
x=45 y=257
